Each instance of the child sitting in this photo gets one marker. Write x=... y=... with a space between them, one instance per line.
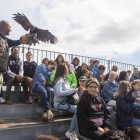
x=124 y=108
x=85 y=73
x=82 y=82
x=92 y=114
x=95 y=66
x=90 y=75
x=134 y=96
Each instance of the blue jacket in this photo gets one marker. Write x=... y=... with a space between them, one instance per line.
x=97 y=75
x=129 y=97
x=41 y=74
x=94 y=69
x=123 y=112
x=109 y=89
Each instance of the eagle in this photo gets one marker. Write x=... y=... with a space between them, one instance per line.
x=40 y=34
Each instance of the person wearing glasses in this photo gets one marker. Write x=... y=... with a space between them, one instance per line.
x=40 y=86
x=110 y=87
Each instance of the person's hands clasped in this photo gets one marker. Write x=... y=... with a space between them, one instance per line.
x=19 y=78
x=106 y=129
x=101 y=129
x=44 y=83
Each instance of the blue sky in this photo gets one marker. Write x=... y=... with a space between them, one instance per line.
x=106 y=29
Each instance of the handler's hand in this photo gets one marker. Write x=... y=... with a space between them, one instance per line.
x=101 y=129
x=133 y=94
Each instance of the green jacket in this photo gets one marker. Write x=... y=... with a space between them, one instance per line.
x=71 y=78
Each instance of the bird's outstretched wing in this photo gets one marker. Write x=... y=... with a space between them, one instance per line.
x=46 y=36
x=22 y=20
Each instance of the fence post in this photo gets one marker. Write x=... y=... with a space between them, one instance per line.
x=71 y=57
x=108 y=66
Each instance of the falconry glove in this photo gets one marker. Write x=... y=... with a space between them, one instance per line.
x=27 y=38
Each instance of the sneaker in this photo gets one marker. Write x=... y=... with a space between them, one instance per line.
x=2 y=101
x=71 y=135
x=8 y=102
x=49 y=115
x=31 y=99
x=44 y=116
x=27 y=101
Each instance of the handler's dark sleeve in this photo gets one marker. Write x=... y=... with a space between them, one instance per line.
x=12 y=43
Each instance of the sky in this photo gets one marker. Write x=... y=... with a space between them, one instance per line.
x=105 y=29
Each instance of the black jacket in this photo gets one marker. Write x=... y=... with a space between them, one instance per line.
x=92 y=106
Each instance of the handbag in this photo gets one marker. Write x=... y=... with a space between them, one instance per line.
x=136 y=112
x=72 y=99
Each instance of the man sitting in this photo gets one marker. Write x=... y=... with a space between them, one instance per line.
x=110 y=87
x=95 y=66
x=114 y=68
x=134 y=76
x=71 y=78
x=15 y=75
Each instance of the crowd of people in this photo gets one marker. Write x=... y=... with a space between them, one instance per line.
x=90 y=88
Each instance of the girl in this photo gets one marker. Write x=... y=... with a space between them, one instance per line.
x=124 y=107
x=134 y=96
x=92 y=114
x=59 y=59
x=61 y=90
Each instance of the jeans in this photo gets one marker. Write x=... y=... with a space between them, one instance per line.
x=136 y=122
x=72 y=109
x=10 y=80
x=44 y=95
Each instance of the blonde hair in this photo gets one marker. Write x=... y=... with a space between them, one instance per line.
x=122 y=89
x=90 y=72
x=135 y=82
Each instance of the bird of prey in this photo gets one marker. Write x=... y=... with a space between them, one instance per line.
x=40 y=34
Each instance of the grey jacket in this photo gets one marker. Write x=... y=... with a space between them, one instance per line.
x=132 y=78
x=61 y=90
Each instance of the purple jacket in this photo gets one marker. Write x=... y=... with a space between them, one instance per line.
x=123 y=112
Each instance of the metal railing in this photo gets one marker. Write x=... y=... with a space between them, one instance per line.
x=38 y=56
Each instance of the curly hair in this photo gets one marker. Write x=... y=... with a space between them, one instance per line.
x=56 y=60
x=113 y=135
x=133 y=132
x=122 y=89
x=135 y=82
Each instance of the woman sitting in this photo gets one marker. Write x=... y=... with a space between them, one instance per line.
x=92 y=114
x=124 y=108
x=59 y=59
x=61 y=90
x=74 y=64
x=39 y=85
x=123 y=76
x=79 y=73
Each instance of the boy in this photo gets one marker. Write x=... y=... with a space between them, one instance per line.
x=91 y=64
x=82 y=82
x=100 y=72
x=95 y=66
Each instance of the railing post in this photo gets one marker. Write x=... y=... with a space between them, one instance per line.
x=71 y=58
x=108 y=66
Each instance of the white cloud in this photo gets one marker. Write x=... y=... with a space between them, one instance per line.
x=91 y=28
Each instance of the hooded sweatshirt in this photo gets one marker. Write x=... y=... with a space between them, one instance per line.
x=92 y=107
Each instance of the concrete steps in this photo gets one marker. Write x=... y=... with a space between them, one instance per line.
x=30 y=128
